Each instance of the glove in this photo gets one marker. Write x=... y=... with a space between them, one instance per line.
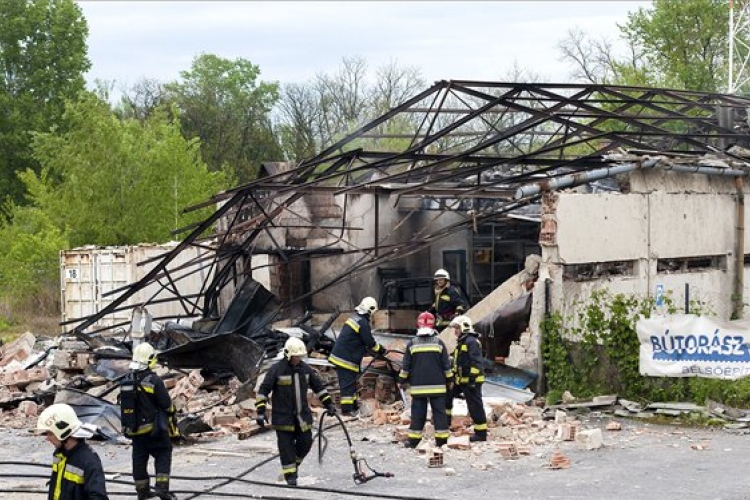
x=331 y=410
x=472 y=384
x=261 y=420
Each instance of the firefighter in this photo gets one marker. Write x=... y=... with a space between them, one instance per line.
x=351 y=345
x=427 y=369
x=291 y=417
x=77 y=472
x=148 y=419
x=468 y=375
x=447 y=300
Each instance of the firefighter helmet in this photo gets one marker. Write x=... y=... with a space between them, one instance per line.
x=367 y=306
x=144 y=356
x=442 y=274
x=59 y=419
x=294 y=347
x=426 y=320
x=464 y=323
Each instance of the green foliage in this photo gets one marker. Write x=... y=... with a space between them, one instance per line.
x=223 y=104
x=29 y=263
x=42 y=62
x=684 y=42
x=107 y=181
x=604 y=358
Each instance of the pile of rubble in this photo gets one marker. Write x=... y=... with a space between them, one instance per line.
x=33 y=374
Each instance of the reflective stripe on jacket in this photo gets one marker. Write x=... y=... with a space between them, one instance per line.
x=152 y=398
x=467 y=360
x=426 y=366
x=289 y=385
x=353 y=343
x=77 y=474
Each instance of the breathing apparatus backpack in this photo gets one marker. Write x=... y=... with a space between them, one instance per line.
x=129 y=404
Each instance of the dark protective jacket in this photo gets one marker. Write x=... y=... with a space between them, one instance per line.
x=353 y=342
x=154 y=410
x=467 y=360
x=447 y=303
x=289 y=385
x=426 y=366
x=77 y=474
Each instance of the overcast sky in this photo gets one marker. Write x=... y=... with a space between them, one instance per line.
x=293 y=41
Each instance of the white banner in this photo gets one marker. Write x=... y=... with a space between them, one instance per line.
x=691 y=346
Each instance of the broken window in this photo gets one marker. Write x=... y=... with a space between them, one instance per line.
x=691 y=264
x=598 y=270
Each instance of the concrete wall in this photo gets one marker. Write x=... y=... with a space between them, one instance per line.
x=667 y=216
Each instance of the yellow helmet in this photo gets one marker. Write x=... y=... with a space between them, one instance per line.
x=144 y=356
x=294 y=347
x=59 y=419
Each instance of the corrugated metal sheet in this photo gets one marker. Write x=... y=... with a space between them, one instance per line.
x=87 y=274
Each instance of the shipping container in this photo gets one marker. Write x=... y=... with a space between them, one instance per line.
x=87 y=274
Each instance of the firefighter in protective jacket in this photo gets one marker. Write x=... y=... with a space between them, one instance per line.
x=351 y=345
x=291 y=416
x=77 y=472
x=447 y=300
x=148 y=419
x=468 y=375
x=426 y=368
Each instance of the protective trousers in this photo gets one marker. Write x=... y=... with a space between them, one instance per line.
x=473 y=396
x=419 y=417
x=348 y=387
x=159 y=447
x=293 y=448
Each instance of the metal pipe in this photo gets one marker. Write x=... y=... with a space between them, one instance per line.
x=739 y=263
x=582 y=178
x=602 y=173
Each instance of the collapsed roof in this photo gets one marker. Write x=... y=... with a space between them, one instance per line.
x=483 y=149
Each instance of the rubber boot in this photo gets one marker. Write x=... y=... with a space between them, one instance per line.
x=441 y=442
x=142 y=489
x=478 y=436
x=291 y=479
x=412 y=443
x=162 y=491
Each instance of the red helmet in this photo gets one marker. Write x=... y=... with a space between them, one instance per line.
x=426 y=320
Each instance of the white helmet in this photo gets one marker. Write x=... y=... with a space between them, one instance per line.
x=367 y=306
x=464 y=323
x=294 y=347
x=144 y=356
x=59 y=419
x=442 y=273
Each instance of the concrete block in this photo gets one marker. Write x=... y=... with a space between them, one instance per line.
x=590 y=439
x=459 y=442
x=28 y=408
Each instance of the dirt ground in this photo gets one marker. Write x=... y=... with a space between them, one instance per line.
x=642 y=460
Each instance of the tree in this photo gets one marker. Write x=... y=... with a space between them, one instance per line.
x=42 y=62
x=675 y=43
x=107 y=181
x=315 y=114
x=685 y=40
x=29 y=264
x=223 y=104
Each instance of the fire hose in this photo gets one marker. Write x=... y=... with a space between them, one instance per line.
x=362 y=470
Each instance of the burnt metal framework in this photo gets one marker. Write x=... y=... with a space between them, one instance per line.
x=466 y=146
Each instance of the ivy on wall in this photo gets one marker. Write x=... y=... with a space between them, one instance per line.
x=597 y=352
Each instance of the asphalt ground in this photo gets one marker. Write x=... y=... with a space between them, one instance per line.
x=641 y=461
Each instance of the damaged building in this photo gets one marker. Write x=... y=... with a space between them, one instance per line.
x=530 y=195
x=618 y=187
